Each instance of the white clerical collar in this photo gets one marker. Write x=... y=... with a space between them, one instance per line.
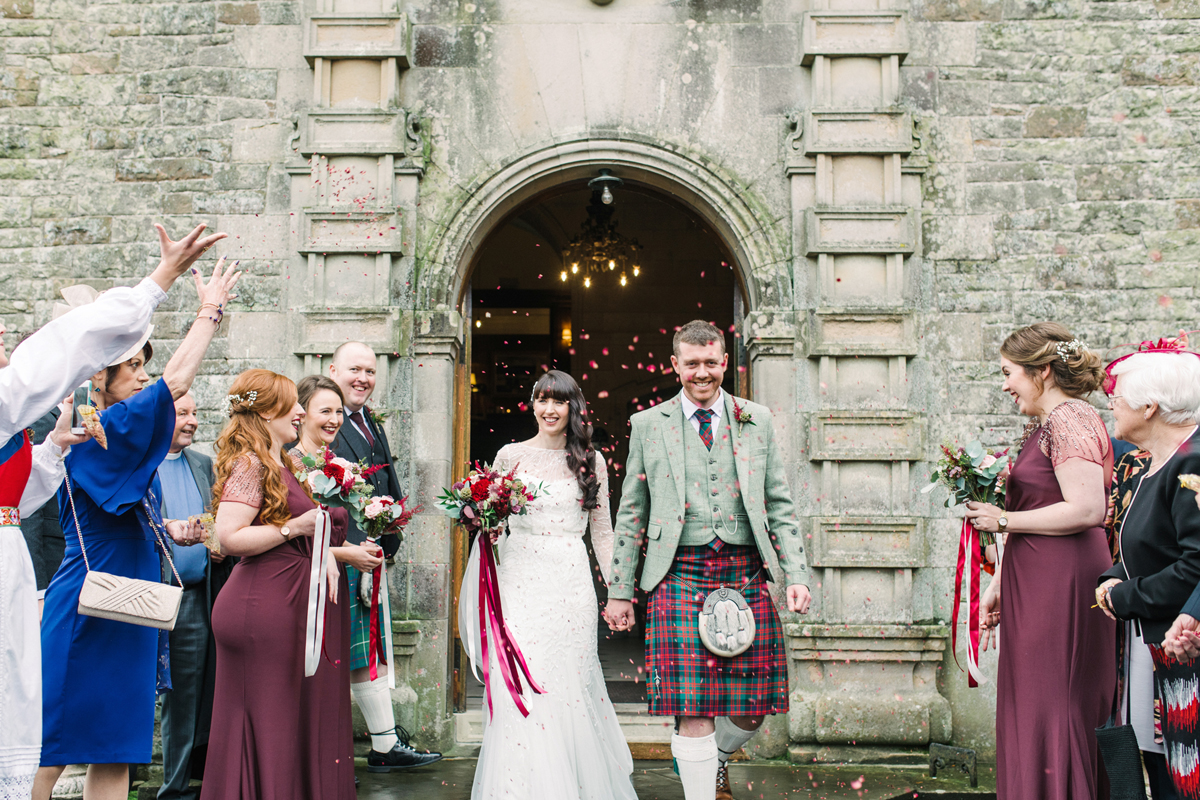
x=173 y=456
x=689 y=408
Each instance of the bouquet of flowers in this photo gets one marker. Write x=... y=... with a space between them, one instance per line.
x=486 y=498
x=481 y=503
x=970 y=473
x=336 y=482
x=384 y=515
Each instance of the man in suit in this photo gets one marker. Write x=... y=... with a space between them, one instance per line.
x=187 y=479
x=707 y=491
x=362 y=439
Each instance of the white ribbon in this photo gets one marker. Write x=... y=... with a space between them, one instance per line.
x=385 y=619
x=314 y=629
x=468 y=610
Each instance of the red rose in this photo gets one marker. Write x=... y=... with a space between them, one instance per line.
x=479 y=491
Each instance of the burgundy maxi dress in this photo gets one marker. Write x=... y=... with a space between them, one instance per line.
x=1057 y=670
x=277 y=735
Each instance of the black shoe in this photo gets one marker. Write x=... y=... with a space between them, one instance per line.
x=355 y=781
x=401 y=756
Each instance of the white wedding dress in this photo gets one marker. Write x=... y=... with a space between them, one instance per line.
x=570 y=747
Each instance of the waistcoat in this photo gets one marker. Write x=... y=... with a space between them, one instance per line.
x=714 y=502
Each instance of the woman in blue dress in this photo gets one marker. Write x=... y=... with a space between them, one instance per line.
x=98 y=675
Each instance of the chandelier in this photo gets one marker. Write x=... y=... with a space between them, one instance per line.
x=599 y=249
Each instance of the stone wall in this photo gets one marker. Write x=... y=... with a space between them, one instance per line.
x=1051 y=173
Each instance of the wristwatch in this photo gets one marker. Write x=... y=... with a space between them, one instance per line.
x=1002 y=524
x=286 y=532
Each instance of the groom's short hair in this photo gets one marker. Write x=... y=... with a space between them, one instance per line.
x=699 y=333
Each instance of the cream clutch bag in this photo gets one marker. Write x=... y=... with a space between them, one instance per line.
x=116 y=597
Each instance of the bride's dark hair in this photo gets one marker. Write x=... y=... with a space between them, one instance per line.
x=556 y=385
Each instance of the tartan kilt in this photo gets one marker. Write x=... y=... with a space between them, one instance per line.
x=360 y=622
x=684 y=678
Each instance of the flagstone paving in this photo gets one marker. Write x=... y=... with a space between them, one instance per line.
x=654 y=780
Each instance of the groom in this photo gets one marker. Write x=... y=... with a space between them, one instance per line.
x=707 y=490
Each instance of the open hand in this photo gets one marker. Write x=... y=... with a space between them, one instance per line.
x=219 y=288
x=178 y=256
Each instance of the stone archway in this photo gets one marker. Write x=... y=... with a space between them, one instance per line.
x=756 y=240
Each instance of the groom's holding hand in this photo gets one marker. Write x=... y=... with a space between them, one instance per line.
x=707 y=489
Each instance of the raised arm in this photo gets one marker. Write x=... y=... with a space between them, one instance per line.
x=181 y=369
x=53 y=362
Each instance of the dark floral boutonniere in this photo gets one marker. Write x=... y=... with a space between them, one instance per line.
x=741 y=416
x=377 y=417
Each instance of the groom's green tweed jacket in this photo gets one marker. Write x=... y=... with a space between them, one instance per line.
x=652 y=499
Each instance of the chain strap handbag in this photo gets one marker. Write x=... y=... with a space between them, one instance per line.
x=117 y=597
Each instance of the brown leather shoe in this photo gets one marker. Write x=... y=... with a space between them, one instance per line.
x=723 y=792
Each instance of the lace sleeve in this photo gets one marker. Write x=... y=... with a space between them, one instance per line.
x=1075 y=430
x=504 y=459
x=245 y=482
x=600 y=521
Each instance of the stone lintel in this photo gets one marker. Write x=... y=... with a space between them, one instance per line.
x=353 y=232
x=872 y=542
x=876 y=332
x=320 y=331
x=865 y=436
x=853 y=33
x=853 y=132
x=356 y=132
x=358 y=36
x=880 y=229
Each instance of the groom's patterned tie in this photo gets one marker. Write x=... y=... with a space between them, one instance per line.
x=705 y=416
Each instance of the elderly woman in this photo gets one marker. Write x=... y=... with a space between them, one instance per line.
x=1156 y=404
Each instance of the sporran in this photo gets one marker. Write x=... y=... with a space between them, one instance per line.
x=726 y=621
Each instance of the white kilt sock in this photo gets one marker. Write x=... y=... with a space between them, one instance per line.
x=697 y=762
x=730 y=738
x=375 y=701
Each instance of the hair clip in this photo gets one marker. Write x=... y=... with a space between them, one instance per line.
x=1073 y=346
x=233 y=402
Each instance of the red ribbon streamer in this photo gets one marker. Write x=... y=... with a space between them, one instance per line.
x=375 y=648
x=968 y=542
x=491 y=615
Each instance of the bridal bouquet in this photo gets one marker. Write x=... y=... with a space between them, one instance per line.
x=486 y=498
x=481 y=503
x=336 y=482
x=970 y=473
x=384 y=515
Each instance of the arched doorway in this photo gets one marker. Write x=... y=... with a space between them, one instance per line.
x=533 y=205
x=526 y=311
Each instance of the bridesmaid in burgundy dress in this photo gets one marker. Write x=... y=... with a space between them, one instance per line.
x=276 y=735
x=1057 y=667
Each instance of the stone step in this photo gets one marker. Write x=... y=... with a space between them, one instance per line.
x=639 y=727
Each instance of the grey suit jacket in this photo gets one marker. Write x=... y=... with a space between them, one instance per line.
x=652 y=498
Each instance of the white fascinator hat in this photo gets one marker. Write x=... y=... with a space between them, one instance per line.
x=81 y=295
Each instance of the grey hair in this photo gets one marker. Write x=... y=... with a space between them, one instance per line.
x=1172 y=380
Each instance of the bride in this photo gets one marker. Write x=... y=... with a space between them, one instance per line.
x=570 y=747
